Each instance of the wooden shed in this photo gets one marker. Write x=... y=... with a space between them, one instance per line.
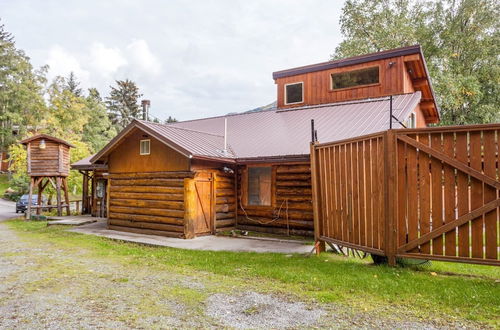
x=251 y=171
x=47 y=158
x=47 y=155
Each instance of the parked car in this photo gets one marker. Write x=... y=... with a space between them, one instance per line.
x=22 y=203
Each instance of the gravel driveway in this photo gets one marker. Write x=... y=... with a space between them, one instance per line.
x=46 y=285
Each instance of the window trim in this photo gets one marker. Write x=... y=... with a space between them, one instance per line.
x=285 y=94
x=149 y=147
x=358 y=86
x=247 y=182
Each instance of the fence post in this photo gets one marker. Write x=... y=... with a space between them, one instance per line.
x=320 y=245
x=390 y=196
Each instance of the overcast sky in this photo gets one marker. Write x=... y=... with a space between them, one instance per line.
x=192 y=59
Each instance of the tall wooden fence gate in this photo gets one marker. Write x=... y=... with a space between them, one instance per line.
x=430 y=193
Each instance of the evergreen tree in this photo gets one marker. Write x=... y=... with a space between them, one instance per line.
x=170 y=119
x=98 y=131
x=123 y=103
x=21 y=91
x=73 y=85
x=460 y=39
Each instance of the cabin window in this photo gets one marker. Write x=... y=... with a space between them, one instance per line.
x=259 y=186
x=294 y=93
x=145 y=145
x=355 y=78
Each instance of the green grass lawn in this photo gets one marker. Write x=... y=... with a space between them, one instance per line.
x=438 y=290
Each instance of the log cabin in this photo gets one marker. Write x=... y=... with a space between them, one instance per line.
x=251 y=171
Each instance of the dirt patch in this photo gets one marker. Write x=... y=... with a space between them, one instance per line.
x=254 y=310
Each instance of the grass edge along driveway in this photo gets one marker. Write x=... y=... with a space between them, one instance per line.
x=449 y=290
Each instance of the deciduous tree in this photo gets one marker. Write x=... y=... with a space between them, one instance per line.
x=460 y=39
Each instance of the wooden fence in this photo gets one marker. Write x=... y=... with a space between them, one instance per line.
x=429 y=193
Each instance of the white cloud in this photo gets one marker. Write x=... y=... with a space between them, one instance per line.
x=142 y=57
x=106 y=60
x=61 y=62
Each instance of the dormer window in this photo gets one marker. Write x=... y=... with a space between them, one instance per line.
x=355 y=78
x=294 y=93
x=144 y=147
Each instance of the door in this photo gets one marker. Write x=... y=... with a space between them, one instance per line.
x=101 y=198
x=204 y=223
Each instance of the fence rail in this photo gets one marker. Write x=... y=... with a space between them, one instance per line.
x=428 y=193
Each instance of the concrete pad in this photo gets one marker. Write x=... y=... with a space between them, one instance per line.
x=72 y=220
x=207 y=243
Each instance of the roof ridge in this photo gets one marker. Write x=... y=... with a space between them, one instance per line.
x=222 y=116
x=337 y=104
x=181 y=128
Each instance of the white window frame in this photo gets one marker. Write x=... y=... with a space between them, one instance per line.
x=149 y=147
x=294 y=83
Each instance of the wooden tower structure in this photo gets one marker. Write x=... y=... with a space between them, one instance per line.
x=48 y=160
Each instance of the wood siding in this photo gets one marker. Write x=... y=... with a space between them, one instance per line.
x=125 y=158
x=151 y=203
x=52 y=161
x=291 y=207
x=318 y=90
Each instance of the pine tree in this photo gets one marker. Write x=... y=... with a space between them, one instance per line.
x=73 y=85
x=170 y=119
x=123 y=103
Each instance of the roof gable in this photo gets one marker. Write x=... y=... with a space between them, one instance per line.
x=46 y=137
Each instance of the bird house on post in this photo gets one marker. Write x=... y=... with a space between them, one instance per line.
x=48 y=161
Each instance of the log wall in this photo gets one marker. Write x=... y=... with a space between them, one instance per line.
x=225 y=200
x=150 y=203
x=291 y=207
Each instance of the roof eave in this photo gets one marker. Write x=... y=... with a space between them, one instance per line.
x=416 y=49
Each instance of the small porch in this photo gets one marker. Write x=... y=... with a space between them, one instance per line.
x=206 y=243
x=94 y=187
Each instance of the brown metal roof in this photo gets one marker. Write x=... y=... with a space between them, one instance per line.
x=46 y=137
x=85 y=164
x=273 y=134
x=285 y=133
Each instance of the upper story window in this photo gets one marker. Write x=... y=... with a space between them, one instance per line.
x=145 y=147
x=294 y=93
x=259 y=185
x=355 y=78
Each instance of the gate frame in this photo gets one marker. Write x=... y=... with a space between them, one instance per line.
x=391 y=139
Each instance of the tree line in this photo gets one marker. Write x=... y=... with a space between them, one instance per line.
x=460 y=40
x=30 y=104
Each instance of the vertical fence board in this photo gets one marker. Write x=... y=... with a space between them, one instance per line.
x=476 y=195
x=338 y=209
x=424 y=192
x=362 y=194
x=355 y=194
x=412 y=192
x=369 y=194
x=436 y=194
x=345 y=201
x=376 y=192
x=326 y=168
x=402 y=193
x=380 y=193
x=490 y=194
x=349 y=193
x=449 y=194
x=461 y=152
